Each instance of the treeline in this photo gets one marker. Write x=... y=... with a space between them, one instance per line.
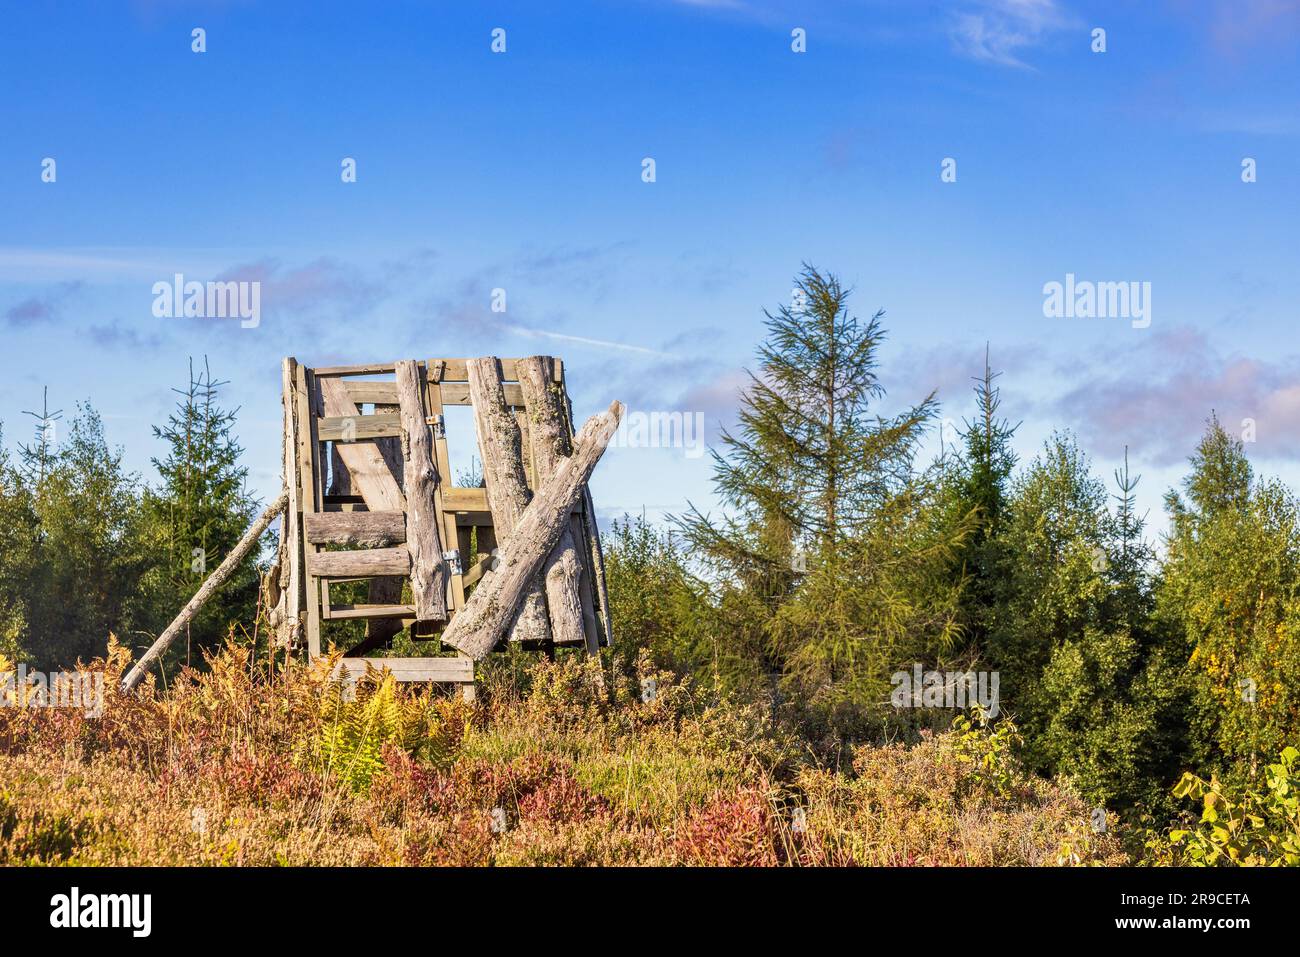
x=88 y=548
x=842 y=558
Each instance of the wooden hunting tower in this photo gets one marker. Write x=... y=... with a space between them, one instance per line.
x=371 y=499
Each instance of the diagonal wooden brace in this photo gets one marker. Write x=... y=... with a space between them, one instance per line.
x=476 y=628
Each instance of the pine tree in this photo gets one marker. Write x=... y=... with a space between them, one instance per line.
x=1231 y=588
x=199 y=511
x=87 y=558
x=1131 y=556
x=828 y=556
x=36 y=457
x=983 y=477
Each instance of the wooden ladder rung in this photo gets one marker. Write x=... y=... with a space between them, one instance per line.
x=457 y=670
x=370 y=611
x=355 y=428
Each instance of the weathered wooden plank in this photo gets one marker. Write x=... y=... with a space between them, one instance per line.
x=371 y=611
x=455 y=670
x=360 y=563
x=590 y=626
x=357 y=428
x=368 y=529
x=291 y=574
x=464 y=499
x=366 y=390
x=595 y=555
x=457 y=393
x=441 y=460
x=457 y=370
x=433 y=402
x=478 y=570
x=487 y=615
x=454 y=370
x=311 y=490
x=423 y=537
x=597 y=565
x=507 y=486
x=550 y=442
x=371 y=476
x=373 y=368
x=387 y=590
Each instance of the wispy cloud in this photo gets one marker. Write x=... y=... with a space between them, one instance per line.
x=1156 y=400
x=44 y=308
x=586 y=341
x=117 y=334
x=998 y=31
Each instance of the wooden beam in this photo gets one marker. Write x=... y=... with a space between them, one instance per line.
x=507 y=485
x=368 y=612
x=360 y=563
x=312 y=497
x=209 y=586
x=464 y=499
x=366 y=529
x=487 y=615
x=355 y=428
x=433 y=369
x=457 y=393
x=423 y=539
x=291 y=576
x=550 y=442
x=456 y=670
x=595 y=554
x=373 y=368
x=378 y=393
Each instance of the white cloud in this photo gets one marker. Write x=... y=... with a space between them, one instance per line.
x=996 y=31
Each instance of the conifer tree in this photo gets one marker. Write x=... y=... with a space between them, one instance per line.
x=1231 y=588
x=984 y=474
x=830 y=562
x=199 y=511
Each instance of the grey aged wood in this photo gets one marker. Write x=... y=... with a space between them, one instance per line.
x=455 y=670
x=483 y=621
x=292 y=585
x=387 y=589
x=507 y=484
x=368 y=529
x=551 y=441
x=423 y=539
x=360 y=563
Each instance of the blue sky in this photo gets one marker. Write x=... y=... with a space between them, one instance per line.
x=522 y=171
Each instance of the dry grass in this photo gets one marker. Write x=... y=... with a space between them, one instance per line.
x=229 y=768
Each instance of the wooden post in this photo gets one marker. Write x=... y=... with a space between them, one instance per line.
x=423 y=540
x=507 y=487
x=596 y=555
x=213 y=582
x=311 y=498
x=551 y=442
x=292 y=586
x=483 y=621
